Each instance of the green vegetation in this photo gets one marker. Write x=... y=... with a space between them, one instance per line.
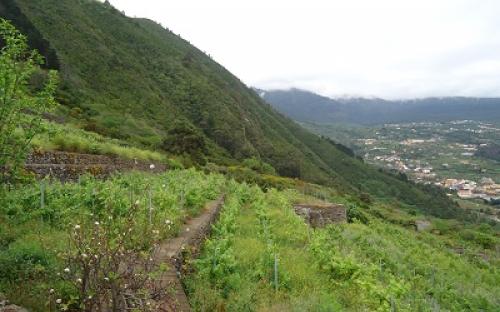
x=378 y=256
x=68 y=138
x=370 y=266
x=37 y=221
x=21 y=107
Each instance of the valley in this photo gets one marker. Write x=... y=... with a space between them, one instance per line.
x=446 y=154
x=428 y=152
x=138 y=174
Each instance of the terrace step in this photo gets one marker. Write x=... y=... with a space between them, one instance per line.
x=66 y=166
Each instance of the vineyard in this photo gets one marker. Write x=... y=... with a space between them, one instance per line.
x=261 y=255
x=61 y=244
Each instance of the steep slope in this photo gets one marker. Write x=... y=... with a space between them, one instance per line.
x=132 y=79
x=310 y=107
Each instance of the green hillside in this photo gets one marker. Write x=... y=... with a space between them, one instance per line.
x=135 y=81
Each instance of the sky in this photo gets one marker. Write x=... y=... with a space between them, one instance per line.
x=391 y=49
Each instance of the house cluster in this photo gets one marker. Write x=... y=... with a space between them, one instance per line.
x=424 y=173
x=486 y=189
x=393 y=162
x=410 y=142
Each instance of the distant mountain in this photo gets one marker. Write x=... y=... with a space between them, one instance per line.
x=306 y=106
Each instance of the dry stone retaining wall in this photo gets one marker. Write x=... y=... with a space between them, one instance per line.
x=69 y=166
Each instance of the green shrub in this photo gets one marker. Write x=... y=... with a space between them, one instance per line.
x=24 y=259
x=259 y=166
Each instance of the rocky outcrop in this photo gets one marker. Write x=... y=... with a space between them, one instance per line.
x=422 y=225
x=321 y=215
x=5 y=306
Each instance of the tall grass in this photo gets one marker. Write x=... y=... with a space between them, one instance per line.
x=70 y=139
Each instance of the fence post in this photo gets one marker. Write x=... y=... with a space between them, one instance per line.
x=42 y=197
x=150 y=206
x=309 y=225
x=42 y=194
x=276 y=272
x=182 y=199
x=393 y=305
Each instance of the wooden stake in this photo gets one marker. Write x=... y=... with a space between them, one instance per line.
x=276 y=272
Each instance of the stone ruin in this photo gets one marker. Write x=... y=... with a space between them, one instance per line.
x=321 y=215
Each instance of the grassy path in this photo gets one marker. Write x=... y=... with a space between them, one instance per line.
x=191 y=236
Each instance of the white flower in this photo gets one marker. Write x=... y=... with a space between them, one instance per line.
x=137 y=202
x=77 y=227
x=58 y=301
x=187 y=230
x=66 y=270
x=152 y=166
x=79 y=280
x=90 y=297
x=106 y=279
x=51 y=291
x=84 y=256
x=96 y=223
x=164 y=186
x=168 y=221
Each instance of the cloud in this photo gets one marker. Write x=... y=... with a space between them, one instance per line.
x=385 y=48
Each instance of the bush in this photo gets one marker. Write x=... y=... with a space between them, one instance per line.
x=24 y=259
x=22 y=108
x=259 y=166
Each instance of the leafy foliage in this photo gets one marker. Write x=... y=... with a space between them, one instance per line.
x=21 y=108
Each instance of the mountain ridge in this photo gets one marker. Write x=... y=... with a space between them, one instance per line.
x=306 y=106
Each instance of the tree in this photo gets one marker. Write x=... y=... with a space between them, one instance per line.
x=21 y=107
x=184 y=138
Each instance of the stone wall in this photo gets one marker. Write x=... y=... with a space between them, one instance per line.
x=69 y=166
x=321 y=215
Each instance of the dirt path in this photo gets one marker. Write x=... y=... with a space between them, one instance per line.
x=173 y=252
